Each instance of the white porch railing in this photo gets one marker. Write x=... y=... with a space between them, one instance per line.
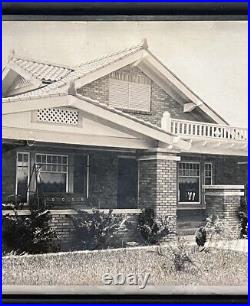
x=207 y=130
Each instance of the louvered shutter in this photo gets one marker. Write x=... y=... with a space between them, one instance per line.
x=118 y=93
x=129 y=95
x=139 y=96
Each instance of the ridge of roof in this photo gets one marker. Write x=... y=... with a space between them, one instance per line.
x=31 y=59
x=141 y=45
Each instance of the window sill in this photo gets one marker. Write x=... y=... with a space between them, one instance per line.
x=190 y=206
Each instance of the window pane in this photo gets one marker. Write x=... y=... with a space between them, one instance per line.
x=52 y=182
x=20 y=157
x=22 y=174
x=208 y=181
x=44 y=159
x=189 y=189
x=38 y=158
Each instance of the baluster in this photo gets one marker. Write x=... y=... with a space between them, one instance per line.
x=178 y=127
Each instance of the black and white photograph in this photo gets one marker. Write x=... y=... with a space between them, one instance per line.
x=125 y=157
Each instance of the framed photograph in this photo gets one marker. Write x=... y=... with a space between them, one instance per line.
x=124 y=153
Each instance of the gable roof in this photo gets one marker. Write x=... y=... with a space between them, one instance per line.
x=139 y=55
x=45 y=72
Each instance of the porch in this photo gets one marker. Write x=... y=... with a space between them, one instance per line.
x=66 y=178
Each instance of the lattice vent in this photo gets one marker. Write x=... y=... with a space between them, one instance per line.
x=58 y=115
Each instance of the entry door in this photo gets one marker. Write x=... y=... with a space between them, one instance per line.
x=127 y=183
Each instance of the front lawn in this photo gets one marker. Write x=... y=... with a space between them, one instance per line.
x=214 y=267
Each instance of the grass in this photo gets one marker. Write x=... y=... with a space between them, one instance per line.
x=215 y=267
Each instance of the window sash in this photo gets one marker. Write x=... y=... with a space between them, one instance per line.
x=208 y=174
x=52 y=164
x=189 y=170
x=22 y=167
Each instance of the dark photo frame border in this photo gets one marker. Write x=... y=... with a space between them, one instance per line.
x=126 y=11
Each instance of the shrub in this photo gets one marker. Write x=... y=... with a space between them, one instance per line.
x=28 y=234
x=152 y=230
x=243 y=214
x=180 y=255
x=218 y=228
x=95 y=230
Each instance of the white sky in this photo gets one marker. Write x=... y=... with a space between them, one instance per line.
x=210 y=57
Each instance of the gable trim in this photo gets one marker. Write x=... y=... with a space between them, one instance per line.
x=97 y=109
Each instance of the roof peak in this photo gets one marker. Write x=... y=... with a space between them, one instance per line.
x=142 y=45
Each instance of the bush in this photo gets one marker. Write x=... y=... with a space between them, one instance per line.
x=243 y=214
x=95 y=230
x=151 y=230
x=28 y=234
x=180 y=255
x=218 y=228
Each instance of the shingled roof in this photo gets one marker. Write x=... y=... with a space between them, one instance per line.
x=46 y=72
x=55 y=78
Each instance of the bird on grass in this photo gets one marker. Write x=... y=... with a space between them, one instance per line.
x=201 y=237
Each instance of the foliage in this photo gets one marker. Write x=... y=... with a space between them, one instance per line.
x=180 y=254
x=152 y=230
x=95 y=230
x=243 y=214
x=28 y=234
x=14 y=202
x=217 y=228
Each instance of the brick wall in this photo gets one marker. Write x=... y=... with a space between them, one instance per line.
x=158 y=187
x=160 y=100
x=63 y=227
x=228 y=171
x=225 y=204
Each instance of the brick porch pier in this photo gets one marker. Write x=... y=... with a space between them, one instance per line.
x=158 y=184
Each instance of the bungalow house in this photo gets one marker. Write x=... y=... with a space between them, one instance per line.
x=122 y=132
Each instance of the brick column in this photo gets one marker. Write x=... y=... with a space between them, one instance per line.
x=224 y=201
x=158 y=184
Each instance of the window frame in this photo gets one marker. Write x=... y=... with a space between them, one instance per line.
x=212 y=180
x=66 y=172
x=28 y=166
x=199 y=177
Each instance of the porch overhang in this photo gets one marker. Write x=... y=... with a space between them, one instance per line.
x=218 y=147
x=141 y=134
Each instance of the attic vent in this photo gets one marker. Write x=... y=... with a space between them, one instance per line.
x=129 y=95
x=58 y=115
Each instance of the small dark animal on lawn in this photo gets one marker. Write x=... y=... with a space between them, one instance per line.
x=201 y=237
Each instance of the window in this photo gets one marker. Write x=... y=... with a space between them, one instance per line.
x=129 y=95
x=22 y=175
x=208 y=173
x=52 y=173
x=189 y=182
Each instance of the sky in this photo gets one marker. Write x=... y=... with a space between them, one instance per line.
x=210 y=57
